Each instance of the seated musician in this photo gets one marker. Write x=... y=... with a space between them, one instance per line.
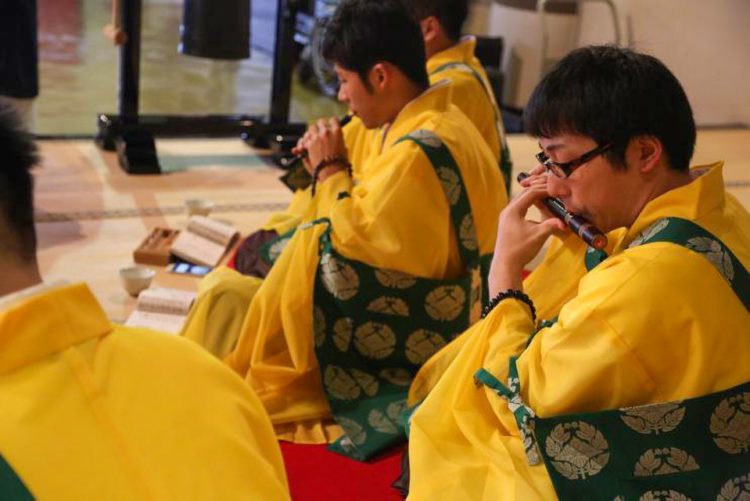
x=395 y=216
x=661 y=317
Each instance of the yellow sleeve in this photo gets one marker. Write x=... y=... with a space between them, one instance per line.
x=369 y=223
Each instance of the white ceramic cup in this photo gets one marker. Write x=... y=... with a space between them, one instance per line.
x=198 y=206
x=136 y=278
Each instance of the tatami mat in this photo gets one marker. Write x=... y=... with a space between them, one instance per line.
x=91 y=215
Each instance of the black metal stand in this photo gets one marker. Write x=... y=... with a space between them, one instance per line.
x=131 y=134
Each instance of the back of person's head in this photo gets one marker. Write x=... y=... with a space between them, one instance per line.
x=451 y=14
x=612 y=95
x=17 y=155
x=363 y=33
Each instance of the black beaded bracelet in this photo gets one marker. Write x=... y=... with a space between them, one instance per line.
x=512 y=293
x=325 y=163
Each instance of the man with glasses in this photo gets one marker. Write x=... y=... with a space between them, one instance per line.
x=660 y=316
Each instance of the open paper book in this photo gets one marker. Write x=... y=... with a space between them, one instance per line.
x=161 y=309
x=204 y=241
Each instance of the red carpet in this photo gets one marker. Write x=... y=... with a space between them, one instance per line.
x=315 y=473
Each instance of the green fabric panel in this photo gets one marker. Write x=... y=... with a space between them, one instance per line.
x=12 y=487
x=271 y=250
x=506 y=165
x=692 y=449
x=374 y=328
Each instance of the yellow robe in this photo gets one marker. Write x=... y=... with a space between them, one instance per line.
x=396 y=217
x=650 y=324
x=225 y=294
x=96 y=411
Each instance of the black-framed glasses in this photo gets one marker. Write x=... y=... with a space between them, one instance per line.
x=564 y=169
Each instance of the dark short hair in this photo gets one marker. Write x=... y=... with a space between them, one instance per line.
x=18 y=154
x=451 y=14
x=612 y=95
x=362 y=33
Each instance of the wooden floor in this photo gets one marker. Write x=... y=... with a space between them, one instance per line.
x=91 y=215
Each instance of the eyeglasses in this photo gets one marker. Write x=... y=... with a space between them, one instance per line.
x=564 y=169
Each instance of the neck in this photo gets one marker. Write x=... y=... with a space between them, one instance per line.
x=402 y=96
x=438 y=44
x=18 y=276
x=667 y=180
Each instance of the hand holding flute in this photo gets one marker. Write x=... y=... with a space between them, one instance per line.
x=301 y=154
x=587 y=231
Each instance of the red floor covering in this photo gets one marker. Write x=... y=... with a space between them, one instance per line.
x=316 y=474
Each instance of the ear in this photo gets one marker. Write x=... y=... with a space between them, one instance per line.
x=379 y=76
x=647 y=152
x=430 y=27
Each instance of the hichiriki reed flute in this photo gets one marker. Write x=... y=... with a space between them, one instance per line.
x=587 y=231
x=288 y=162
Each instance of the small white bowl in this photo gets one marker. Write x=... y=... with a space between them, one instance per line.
x=136 y=278
x=198 y=206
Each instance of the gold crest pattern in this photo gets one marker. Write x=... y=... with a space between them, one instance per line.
x=669 y=495
x=380 y=422
x=427 y=137
x=399 y=377
x=396 y=408
x=445 y=302
x=340 y=384
x=730 y=424
x=342 y=333
x=737 y=489
x=276 y=248
x=374 y=340
x=422 y=344
x=389 y=306
x=368 y=383
x=664 y=461
x=319 y=326
x=656 y=418
x=339 y=278
x=395 y=279
x=578 y=450
x=353 y=430
x=451 y=184
x=475 y=313
x=646 y=234
x=467 y=233
x=712 y=250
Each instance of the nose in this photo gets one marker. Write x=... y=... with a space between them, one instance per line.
x=557 y=187
x=342 y=95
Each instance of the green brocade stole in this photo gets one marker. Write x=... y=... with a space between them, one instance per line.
x=688 y=450
x=506 y=165
x=11 y=486
x=374 y=328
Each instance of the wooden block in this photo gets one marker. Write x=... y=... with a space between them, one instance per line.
x=155 y=248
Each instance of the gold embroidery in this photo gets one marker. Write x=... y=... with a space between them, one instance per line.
x=396 y=408
x=422 y=344
x=368 y=383
x=737 y=489
x=656 y=418
x=374 y=340
x=451 y=184
x=445 y=302
x=578 y=450
x=353 y=430
x=730 y=424
x=664 y=461
x=340 y=384
x=339 y=278
x=342 y=333
x=319 y=326
x=389 y=306
x=399 y=377
x=669 y=495
x=381 y=423
x=467 y=234
x=712 y=250
x=395 y=279
x=427 y=137
x=274 y=251
x=475 y=301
